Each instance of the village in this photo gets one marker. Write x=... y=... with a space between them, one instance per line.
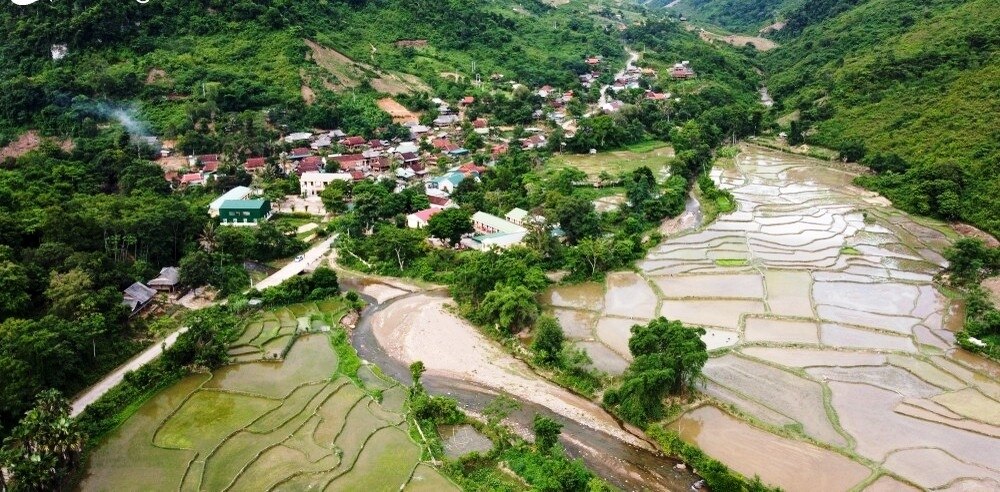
x=458 y=144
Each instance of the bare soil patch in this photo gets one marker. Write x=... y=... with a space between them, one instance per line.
x=27 y=142
x=349 y=73
x=398 y=112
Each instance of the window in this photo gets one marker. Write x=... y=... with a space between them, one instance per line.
x=246 y=214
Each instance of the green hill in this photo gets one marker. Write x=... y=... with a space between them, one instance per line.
x=908 y=86
x=179 y=58
x=734 y=15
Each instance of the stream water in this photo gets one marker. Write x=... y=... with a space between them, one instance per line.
x=624 y=465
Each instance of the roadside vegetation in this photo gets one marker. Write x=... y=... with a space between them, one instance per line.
x=970 y=262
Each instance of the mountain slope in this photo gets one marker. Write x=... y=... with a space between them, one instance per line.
x=909 y=86
x=734 y=15
x=178 y=56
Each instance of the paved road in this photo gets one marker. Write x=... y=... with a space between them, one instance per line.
x=90 y=395
x=311 y=259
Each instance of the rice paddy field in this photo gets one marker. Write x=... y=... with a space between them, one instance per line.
x=833 y=361
x=653 y=155
x=283 y=416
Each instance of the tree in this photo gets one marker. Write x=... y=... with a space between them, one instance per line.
x=595 y=253
x=667 y=359
x=546 y=433
x=548 y=342
x=67 y=291
x=392 y=244
x=335 y=196
x=13 y=289
x=43 y=447
x=970 y=260
x=510 y=308
x=450 y=224
x=417 y=370
x=575 y=215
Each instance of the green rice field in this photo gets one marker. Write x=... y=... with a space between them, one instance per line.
x=294 y=422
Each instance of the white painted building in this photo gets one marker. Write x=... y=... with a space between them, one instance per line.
x=238 y=193
x=312 y=184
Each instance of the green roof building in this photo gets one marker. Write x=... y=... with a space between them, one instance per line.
x=244 y=212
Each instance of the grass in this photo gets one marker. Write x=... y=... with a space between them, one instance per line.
x=731 y=262
x=849 y=250
x=650 y=154
x=208 y=417
x=326 y=429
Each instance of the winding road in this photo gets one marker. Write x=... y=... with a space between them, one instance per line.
x=310 y=260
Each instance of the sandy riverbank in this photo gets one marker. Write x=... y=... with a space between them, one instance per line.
x=420 y=328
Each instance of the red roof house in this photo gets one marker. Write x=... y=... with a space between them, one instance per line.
x=255 y=164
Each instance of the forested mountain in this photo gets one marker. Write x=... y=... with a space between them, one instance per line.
x=81 y=222
x=909 y=87
x=735 y=15
x=204 y=56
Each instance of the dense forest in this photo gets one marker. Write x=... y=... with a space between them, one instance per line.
x=735 y=15
x=80 y=223
x=908 y=88
x=189 y=62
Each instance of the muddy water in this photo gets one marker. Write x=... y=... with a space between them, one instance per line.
x=752 y=451
x=836 y=280
x=626 y=466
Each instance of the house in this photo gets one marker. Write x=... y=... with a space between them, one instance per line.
x=657 y=96
x=481 y=126
x=533 y=142
x=201 y=160
x=313 y=183
x=168 y=280
x=417 y=130
x=485 y=223
x=351 y=162
x=298 y=137
x=238 y=193
x=405 y=173
x=409 y=158
x=357 y=176
x=376 y=144
x=467 y=100
x=682 y=71
x=418 y=167
x=471 y=168
x=445 y=120
x=210 y=167
x=443 y=144
x=321 y=142
x=244 y=212
x=499 y=150
x=592 y=61
x=420 y=219
x=381 y=164
x=494 y=232
x=311 y=164
x=137 y=297
x=545 y=91
x=440 y=201
x=299 y=153
x=517 y=216
x=191 y=179
x=446 y=183
x=354 y=143
x=255 y=164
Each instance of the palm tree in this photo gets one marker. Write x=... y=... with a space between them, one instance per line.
x=207 y=240
x=43 y=447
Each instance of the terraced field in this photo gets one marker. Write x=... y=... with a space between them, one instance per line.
x=830 y=339
x=291 y=422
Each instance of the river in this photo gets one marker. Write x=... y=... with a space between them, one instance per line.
x=589 y=433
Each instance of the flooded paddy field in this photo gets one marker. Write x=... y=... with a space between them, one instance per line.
x=295 y=423
x=830 y=337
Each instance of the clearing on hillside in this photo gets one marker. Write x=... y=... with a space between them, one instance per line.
x=348 y=73
x=653 y=156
